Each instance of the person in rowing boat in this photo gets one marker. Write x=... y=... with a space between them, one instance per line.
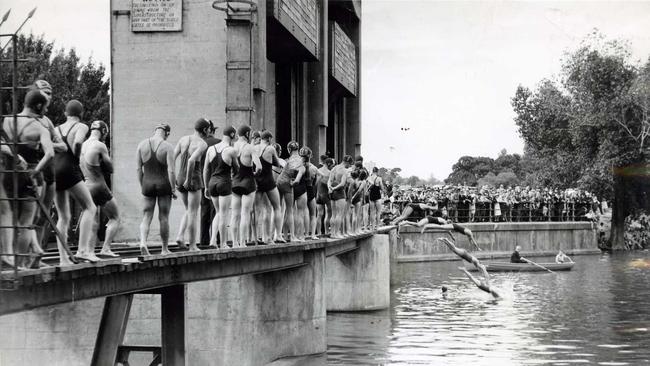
x=515 y=257
x=562 y=258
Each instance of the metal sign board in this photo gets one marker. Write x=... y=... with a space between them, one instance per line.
x=302 y=19
x=343 y=64
x=156 y=15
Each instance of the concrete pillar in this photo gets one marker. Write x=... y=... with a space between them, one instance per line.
x=360 y=279
x=317 y=89
x=256 y=319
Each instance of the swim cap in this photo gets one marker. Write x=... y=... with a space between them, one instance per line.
x=304 y=151
x=101 y=126
x=256 y=135
x=163 y=126
x=201 y=124
x=363 y=174
x=359 y=158
x=74 y=108
x=266 y=135
x=44 y=87
x=329 y=162
x=35 y=100
x=292 y=146
x=229 y=131
x=244 y=130
x=348 y=159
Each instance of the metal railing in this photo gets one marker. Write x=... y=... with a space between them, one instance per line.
x=9 y=278
x=516 y=212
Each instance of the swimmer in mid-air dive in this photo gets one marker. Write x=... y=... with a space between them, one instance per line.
x=437 y=223
x=462 y=253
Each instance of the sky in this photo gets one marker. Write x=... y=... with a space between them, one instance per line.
x=443 y=70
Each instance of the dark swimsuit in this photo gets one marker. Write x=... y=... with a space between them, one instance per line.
x=196 y=181
x=67 y=172
x=155 y=180
x=220 y=183
x=243 y=182
x=288 y=174
x=311 y=190
x=32 y=155
x=95 y=182
x=323 y=196
x=301 y=188
x=264 y=180
x=374 y=192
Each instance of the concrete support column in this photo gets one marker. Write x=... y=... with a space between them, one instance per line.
x=317 y=89
x=256 y=319
x=360 y=279
x=353 y=105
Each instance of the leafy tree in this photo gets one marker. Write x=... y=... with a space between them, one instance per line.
x=504 y=178
x=590 y=128
x=69 y=78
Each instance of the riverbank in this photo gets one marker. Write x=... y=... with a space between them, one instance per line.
x=497 y=240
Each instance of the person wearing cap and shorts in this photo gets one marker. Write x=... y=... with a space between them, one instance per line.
x=243 y=187
x=189 y=180
x=155 y=170
x=336 y=186
x=95 y=162
x=220 y=162
x=267 y=198
x=70 y=182
x=207 y=209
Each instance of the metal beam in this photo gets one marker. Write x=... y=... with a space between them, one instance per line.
x=111 y=329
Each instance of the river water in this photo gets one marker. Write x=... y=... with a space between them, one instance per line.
x=598 y=313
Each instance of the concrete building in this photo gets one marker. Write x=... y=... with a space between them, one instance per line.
x=288 y=66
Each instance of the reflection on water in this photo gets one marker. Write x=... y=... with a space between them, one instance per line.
x=599 y=313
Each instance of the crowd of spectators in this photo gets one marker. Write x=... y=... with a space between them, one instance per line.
x=501 y=204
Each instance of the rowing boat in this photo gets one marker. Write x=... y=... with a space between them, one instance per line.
x=523 y=267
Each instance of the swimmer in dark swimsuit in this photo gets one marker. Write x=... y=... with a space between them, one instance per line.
x=375 y=185
x=270 y=214
x=189 y=180
x=243 y=188
x=95 y=162
x=220 y=161
x=439 y=224
x=286 y=180
x=277 y=171
x=300 y=195
x=336 y=186
x=48 y=193
x=155 y=169
x=37 y=154
x=323 y=202
x=357 y=200
x=70 y=182
x=414 y=210
x=311 y=195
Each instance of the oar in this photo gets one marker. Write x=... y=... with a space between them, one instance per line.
x=535 y=264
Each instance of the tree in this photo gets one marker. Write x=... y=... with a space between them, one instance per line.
x=69 y=78
x=590 y=128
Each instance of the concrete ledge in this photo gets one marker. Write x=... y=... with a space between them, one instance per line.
x=516 y=226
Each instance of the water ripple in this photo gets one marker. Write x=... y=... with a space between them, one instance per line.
x=596 y=313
